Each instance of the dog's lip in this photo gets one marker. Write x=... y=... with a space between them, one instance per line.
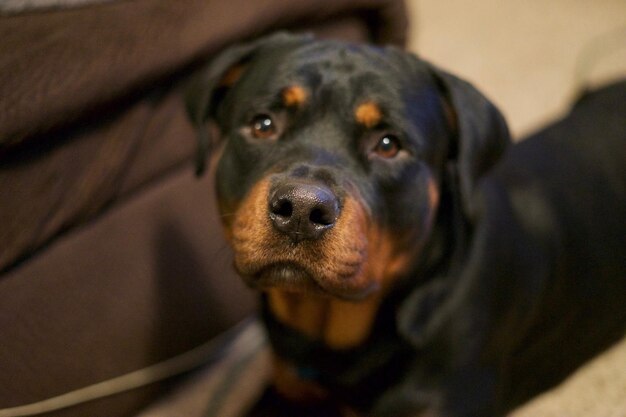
x=293 y=277
x=286 y=275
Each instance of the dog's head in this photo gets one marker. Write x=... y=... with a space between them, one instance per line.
x=332 y=157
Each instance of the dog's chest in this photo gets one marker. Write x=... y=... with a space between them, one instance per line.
x=349 y=349
x=336 y=323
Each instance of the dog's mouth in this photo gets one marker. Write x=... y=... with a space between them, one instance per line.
x=307 y=267
x=297 y=278
x=289 y=276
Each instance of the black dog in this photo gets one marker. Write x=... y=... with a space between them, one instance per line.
x=409 y=262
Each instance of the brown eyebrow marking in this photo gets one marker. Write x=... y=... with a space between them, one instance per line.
x=294 y=96
x=368 y=114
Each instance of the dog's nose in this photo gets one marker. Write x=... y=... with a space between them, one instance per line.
x=303 y=211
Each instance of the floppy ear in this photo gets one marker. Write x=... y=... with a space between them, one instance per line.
x=481 y=133
x=208 y=87
x=480 y=138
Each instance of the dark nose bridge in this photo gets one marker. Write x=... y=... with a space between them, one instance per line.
x=304 y=172
x=315 y=162
x=323 y=142
x=326 y=154
x=324 y=160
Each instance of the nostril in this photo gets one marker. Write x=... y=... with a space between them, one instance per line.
x=282 y=207
x=321 y=217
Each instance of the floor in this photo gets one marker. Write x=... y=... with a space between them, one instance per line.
x=530 y=58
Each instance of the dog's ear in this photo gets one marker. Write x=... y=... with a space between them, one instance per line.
x=480 y=137
x=209 y=86
x=481 y=134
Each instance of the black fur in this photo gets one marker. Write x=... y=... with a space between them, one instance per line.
x=523 y=276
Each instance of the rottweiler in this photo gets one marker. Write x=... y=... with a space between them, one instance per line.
x=411 y=262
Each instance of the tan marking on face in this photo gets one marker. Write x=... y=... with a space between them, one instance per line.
x=368 y=114
x=225 y=208
x=433 y=195
x=388 y=262
x=294 y=96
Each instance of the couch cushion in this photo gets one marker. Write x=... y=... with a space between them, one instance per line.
x=150 y=279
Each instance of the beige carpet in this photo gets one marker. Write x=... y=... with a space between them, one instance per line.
x=597 y=390
x=526 y=55
x=523 y=54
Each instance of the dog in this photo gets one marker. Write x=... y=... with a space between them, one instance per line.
x=410 y=260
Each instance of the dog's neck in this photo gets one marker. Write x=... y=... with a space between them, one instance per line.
x=336 y=323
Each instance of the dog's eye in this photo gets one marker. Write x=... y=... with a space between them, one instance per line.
x=263 y=127
x=388 y=146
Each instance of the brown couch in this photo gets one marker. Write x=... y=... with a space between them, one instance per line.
x=111 y=255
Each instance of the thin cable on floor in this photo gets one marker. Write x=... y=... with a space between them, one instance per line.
x=245 y=334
